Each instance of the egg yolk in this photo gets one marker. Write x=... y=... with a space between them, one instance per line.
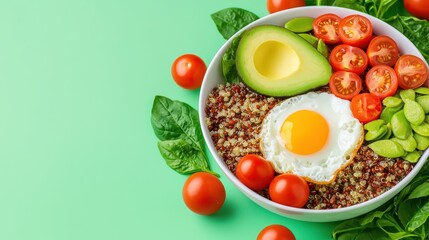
x=305 y=132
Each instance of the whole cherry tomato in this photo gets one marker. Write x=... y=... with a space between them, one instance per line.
x=275 y=232
x=418 y=8
x=290 y=190
x=279 y=5
x=188 y=71
x=254 y=172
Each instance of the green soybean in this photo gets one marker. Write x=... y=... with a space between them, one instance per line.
x=387 y=148
x=412 y=156
x=414 y=112
x=388 y=113
x=422 y=129
x=409 y=144
x=309 y=38
x=422 y=141
x=376 y=134
x=374 y=125
x=424 y=102
x=422 y=90
x=400 y=126
x=408 y=94
x=322 y=48
x=388 y=134
x=300 y=24
x=392 y=102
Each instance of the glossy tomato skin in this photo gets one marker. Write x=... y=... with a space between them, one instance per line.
x=345 y=84
x=366 y=107
x=188 y=71
x=418 y=8
x=348 y=58
x=280 y=5
x=326 y=28
x=290 y=190
x=275 y=232
x=203 y=193
x=381 y=80
x=412 y=72
x=254 y=172
x=382 y=50
x=355 y=30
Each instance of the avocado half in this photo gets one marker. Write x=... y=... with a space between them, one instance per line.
x=276 y=62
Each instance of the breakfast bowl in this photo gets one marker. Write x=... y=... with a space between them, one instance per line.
x=214 y=77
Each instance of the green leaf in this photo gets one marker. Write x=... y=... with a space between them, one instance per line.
x=230 y=20
x=407 y=209
x=229 y=69
x=371 y=216
x=420 y=191
x=352 y=4
x=352 y=229
x=419 y=218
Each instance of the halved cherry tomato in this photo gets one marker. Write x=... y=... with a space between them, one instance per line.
x=366 y=107
x=382 y=81
x=289 y=189
x=355 y=30
x=279 y=5
x=275 y=232
x=188 y=71
x=382 y=50
x=254 y=172
x=348 y=58
x=412 y=71
x=345 y=85
x=326 y=28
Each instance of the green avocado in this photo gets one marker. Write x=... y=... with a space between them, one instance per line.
x=276 y=62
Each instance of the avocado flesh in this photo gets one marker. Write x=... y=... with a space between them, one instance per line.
x=277 y=62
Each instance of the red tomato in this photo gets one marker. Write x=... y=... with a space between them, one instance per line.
x=348 y=58
x=355 y=30
x=289 y=189
x=188 y=71
x=254 y=172
x=203 y=193
x=275 y=232
x=418 y=8
x=381 y=81
x=279 y=5
x=365 y=107
x=345 y=85
x=382 y=50
x=326 y=28
x=412 y=71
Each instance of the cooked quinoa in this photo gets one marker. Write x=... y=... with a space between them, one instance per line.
x=234 y=115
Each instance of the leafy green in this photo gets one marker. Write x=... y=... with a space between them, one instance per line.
x=229 y=69
x=230 y=20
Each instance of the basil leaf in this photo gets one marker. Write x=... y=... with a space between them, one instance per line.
x=230 y=20
x=419 y=217
x=229 y=69
x=420 y=191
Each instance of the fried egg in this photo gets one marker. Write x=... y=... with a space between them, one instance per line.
x=313 y=135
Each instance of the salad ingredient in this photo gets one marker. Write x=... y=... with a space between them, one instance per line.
x=422 y=141
x=387 y=148
x=326 y=28
x=382 y=50
x=279 y=5
x=422 y=129
x=254 y=172
x=229 y=69
x=424 y=103
x=345 y=85
x=230 y=20
x=181 y=143
x=414 y=112
x=203 y=193
x=322 y=48
x=309 y=38
x=381 y=80
x=348 y=58
x=275 y=232
x=400 y=126
x=422 y=90
x=418 y=8
x=355 y=30
x=408 y=144
x=412 y=71
x=290 y=190
x=366 y=107
x=188 y=71
x=300 y=24
x=307 y=68
x=392 y=102
x=407 y=94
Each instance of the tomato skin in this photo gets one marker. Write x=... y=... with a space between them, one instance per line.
x=203 y=193
x=412 y=72
x=275 y=232
x=254 y=172
x=326 y=28
x=290 y=190
x=366 y=107
x=279 y=5
x=355 y=30
x=345 y=85
x=418 y=8
x=382 y=50
x=348 y=58
x=188 y=71
x=381 y=80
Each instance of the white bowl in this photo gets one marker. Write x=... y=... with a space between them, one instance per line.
x=214 y=77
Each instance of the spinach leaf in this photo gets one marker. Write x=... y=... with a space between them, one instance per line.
x=419 y=217
x=229 y=69
x=407 y=209
x=352 y=229
x=378 y=8
x=420 y=191
x=352 y=4
x=230 y=20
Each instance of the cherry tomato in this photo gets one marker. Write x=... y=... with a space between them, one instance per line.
x=355 y=30
x=381 y=81
x=326 y=28
x=348 y=58
x=188 y=71
x=412 y=71
x=365 y=107
x=275 y=232
x=279 y=5
x=289 y=189
x=418 y=8
x=254 y=172
x=203 y=193
x=382 y=50
x=345 y=85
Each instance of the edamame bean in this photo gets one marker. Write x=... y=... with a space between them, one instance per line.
x=422 y=141
x=388 y=113
x=376 y=134
x=322 y=48
x=309 y=38
x=422 y=90
x=392 y=102
x=413 y=112
x=409 y=144
x=407 y=94
x=300 y=24
x=412 y=156
x=400 y=126
x=374 y=125
x=424 y=102
x=422 y=129
x=387 y=148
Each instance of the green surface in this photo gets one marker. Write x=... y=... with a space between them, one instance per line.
x=78 y=156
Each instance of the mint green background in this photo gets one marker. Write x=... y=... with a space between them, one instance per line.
x=78 y=157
